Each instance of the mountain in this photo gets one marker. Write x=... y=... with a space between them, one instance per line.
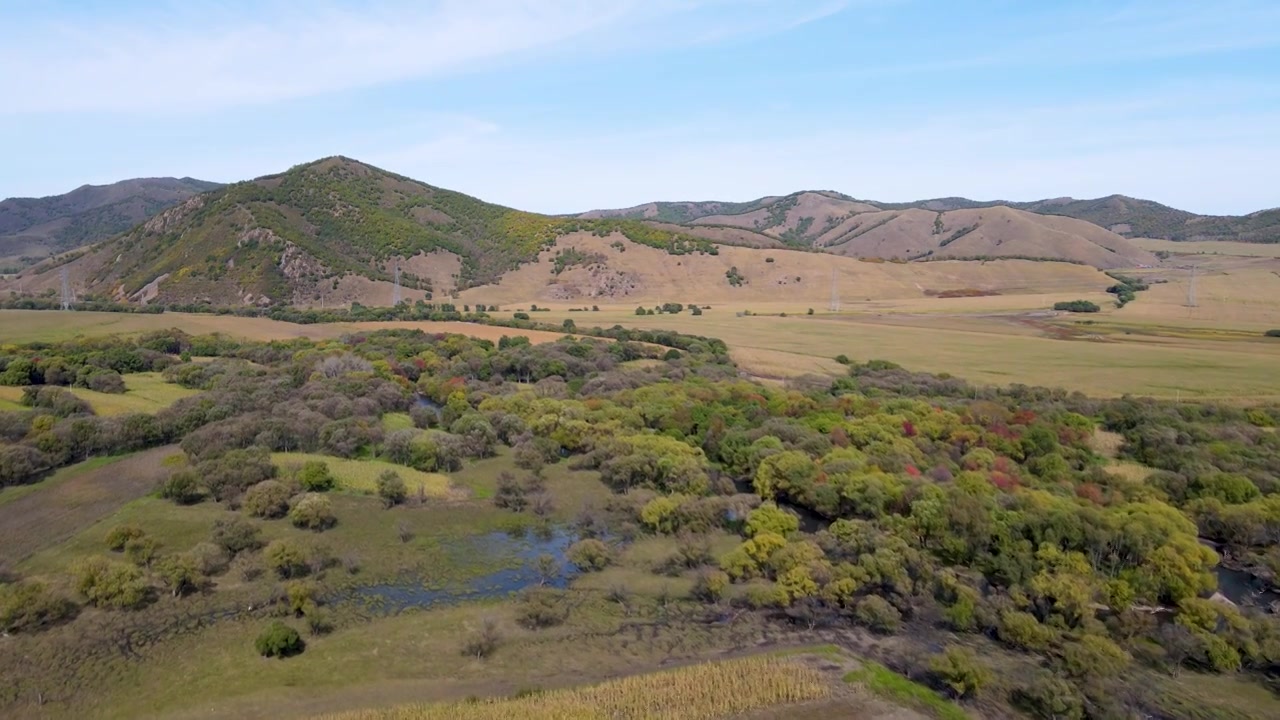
x=937 y=229
x=34 y=228
x=1125 y=216
x=330 y=232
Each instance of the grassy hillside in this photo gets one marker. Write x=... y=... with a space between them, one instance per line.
x=329 y=232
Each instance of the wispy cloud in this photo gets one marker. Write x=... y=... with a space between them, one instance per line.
x=207 y=57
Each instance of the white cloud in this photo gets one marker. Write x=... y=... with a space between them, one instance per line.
x=210 y=57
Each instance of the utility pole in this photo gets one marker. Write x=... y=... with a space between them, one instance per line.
x=835 y=293
x=395 y=295
x=1191 y=288
x=66 y=290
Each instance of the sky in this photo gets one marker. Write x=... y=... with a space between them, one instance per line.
x=569 y=105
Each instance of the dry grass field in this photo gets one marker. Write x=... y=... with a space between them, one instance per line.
x=1209 y=247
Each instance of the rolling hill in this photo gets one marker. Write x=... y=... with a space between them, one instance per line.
x=838 y=224
x=1125 y=216
x=32 y=229
x=326 y=233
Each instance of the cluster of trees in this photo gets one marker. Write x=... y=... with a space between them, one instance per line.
x=1077 y=306
x=1126 y=288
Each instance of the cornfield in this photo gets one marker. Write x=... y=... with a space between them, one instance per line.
x=699 y=692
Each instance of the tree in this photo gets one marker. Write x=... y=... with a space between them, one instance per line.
x=181 y=574
x=286 y=558
x=709 y=585
x=182 y=487
x=590 y=555
x=236 y=535
x=268 y=499
x=1077 y=306
x=1094 y=656
x=391 y=488
x=313 y=512
x=878 y=614
x=769 y=518
x=961 y=671
x=120 y=536
x=315 y=476
x=542 y=608
x=279 y=641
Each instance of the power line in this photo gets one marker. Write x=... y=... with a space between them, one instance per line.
x=1191 y=288
x=835 y=293
x=395 y=295
x=66 y=290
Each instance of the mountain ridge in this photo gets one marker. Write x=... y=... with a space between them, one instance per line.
x=32 y=228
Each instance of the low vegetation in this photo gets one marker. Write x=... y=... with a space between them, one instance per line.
x=700 y=692
x=1077 y=306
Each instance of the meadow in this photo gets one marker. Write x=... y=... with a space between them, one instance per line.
x=145 y=392
x=361 y=476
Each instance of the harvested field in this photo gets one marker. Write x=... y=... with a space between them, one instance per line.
x=73 y=499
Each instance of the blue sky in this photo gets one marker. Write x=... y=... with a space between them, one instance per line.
x=567 y=105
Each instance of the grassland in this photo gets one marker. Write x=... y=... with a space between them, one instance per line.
x=19 y=326
x=697 y=692
x=361 y=476
x=1209 y=247
x=47 y=514
x=892 y=686
x=144 y=393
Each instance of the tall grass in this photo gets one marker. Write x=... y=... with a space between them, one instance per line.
x=698 y=692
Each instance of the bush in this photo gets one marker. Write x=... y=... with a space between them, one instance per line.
x=315 y=476
x=182 y=487
x=590 y=555
x=121 y=535
x=1273 y=333
x=279 y=641
x=286 y=558
x=843 y=360
x=141 y=551
x=876 y=613
x=510 y=493
x=391 y=488
x=110 y=584
x=236 y=535
x=709 y=585
x=314 y=512
x=30 y=606
x=1077 y=306
x=961 y=671
x=268 y=499
x=484 y=642
x=542 y=608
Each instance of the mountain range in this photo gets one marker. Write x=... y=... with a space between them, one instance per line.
x=337 y=231
x=32 y=229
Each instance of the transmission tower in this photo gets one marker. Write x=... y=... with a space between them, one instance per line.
x=1191 y=288
x=66 y=291
x=835 y=293
x=395 y=294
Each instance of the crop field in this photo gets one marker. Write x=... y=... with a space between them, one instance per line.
x=701 y=692
x=361 y=476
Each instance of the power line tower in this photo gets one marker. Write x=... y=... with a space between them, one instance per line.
x=66 y=291
x=395 y=294
x=835 y=293
x=1191 y=288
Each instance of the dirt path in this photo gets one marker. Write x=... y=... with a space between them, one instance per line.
x=50 y=515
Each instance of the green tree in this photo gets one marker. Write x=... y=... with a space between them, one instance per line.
x=29 y=606
x=109 y=584
x=279 y=641
x=313 y=512
x=769 y=518
x=391 y=488
x=961 y=670
x=286 y=558
x=590 y=554
x=268 y=499
x=315 y=476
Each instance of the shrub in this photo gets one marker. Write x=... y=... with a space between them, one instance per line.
x=1272 y=333
x=484 y=641
x=301 y=595
x=391 y=488
x=141 y=551
x=236 y=535
x=590 y=555
x=110 y=584
x=876 y=613
x=510 y=493
x=314 y=512
x=961 y=671
x=180 y=574
x=709 y=585
x=121 y=535
x=769 y=518
x=315 y=476
x=29 y=606
x=542 y=608
x=1077 y=306
x=279 y=641
x=268 y=499
x=286 y=558
x=843 y=360
x=182 y=487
